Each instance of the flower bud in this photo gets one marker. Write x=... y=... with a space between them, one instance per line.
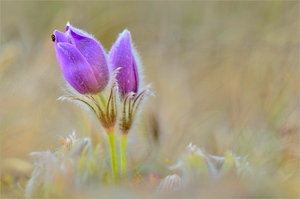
x=170 y=184
x=82 y=60
x=121 y=56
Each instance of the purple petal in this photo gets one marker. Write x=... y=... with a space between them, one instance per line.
x=134 y=76
x=121 y=56
x=60 y=36
x=76 y=69
x=93 y=52
x=77 y=31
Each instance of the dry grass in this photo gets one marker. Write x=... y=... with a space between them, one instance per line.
x=225 y=76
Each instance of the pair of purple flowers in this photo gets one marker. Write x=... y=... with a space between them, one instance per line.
x=86 y=66
x=89 y=70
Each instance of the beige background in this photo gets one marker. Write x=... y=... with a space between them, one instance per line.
x=225 y=75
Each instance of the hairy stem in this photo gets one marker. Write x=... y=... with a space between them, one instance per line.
x=123 y=150
x=113 y=154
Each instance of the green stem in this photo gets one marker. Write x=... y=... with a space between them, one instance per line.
x=123 y=149
x=113 y=154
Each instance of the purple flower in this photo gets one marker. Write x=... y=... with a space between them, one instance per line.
x=82 y=60
x=121 y=56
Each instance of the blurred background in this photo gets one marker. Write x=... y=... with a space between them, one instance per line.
x=225 y=76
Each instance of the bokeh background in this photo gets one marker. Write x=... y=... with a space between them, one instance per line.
x=225 y=76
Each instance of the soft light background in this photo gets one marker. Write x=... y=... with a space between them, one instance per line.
x=225 y=76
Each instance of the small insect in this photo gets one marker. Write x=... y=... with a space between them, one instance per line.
x=53 y=37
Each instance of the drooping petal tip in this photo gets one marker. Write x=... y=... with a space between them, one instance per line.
x=60 y=36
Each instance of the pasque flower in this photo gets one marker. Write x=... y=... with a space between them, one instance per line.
x=121 y=57
x=82 y=60
x=124 y=59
